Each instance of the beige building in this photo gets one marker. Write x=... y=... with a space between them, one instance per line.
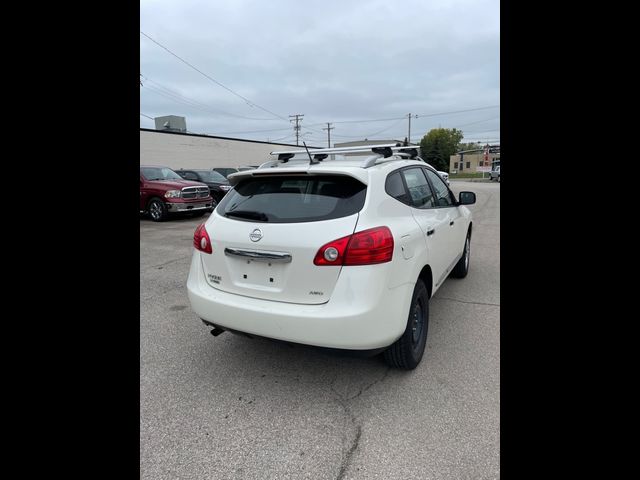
x=184 y=150
x=473 y=161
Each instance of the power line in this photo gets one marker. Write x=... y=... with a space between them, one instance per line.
x=459 y=111
x=297 y=118
x=372 y=134
x=150 y=118
x=179 y=97
x=479 y=121
x=415 y=116
x=328 y=129
x=249 y=102
x=256 y=131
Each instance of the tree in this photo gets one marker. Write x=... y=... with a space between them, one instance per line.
x=470 y=146
x=438 y=145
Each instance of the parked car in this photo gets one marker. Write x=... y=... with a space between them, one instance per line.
x=225 y=171
x=445 y=177
x=218 y=185
x=342 y=253
x=495 y=174
x=163 y=192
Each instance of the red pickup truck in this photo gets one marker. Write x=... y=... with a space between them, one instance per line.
x=163 y=191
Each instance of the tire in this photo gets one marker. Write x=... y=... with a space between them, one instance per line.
x=407 y=351
x=498 y=178
x=157 y=210
x=199 y=213
x=462 y=267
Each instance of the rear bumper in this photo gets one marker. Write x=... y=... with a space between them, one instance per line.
x=362 y=313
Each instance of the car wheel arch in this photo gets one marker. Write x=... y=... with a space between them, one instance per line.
x=426 y=276
x=151 y=199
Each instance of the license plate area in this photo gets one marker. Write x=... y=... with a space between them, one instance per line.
x=257 y=274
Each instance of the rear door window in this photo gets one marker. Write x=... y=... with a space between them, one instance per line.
x=419 y=189
x=292 y=199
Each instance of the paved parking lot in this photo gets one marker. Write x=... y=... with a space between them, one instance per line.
x=235 y=408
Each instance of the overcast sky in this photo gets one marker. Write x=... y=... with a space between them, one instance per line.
x=333 y=61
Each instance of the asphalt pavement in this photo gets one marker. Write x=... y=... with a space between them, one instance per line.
x=230 y=407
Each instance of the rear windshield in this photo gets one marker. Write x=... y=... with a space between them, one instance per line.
x=291 y=199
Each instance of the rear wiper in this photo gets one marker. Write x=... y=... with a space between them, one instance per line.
x=259 y=216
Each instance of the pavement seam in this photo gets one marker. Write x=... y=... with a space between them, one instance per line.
x=462 y=301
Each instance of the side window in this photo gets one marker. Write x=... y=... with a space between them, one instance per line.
x=189 y=175
x=443 y=195
x=395 y=188
x=419 y=191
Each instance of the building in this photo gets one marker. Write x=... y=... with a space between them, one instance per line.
x=171 y=123
x=477 y=160
x=187 y=150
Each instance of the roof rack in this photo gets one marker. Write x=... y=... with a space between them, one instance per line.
x=360 y=148
x=385 y=150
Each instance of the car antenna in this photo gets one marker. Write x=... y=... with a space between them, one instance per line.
x=310 y=159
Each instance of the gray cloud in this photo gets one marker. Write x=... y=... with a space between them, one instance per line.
x=331 y=61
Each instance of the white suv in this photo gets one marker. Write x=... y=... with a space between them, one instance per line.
x=338 y=253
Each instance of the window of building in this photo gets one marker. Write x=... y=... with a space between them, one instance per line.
x=455 y=165
x=468 y=164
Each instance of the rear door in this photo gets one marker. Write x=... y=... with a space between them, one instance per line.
x=454 y=229
x=433 y=221
x=266 y=232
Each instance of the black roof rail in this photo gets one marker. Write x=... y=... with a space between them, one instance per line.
x=285 y=157
x=385 y=151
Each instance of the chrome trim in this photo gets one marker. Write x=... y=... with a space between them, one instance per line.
x=194 y=192
x=258 y=255
x=187 y=207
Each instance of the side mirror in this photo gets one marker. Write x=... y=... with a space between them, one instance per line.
x=467 y=198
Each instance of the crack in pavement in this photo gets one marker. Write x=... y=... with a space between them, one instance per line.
x=166 y=263
x=347 y=454
x=463 y=301
x=364 y=389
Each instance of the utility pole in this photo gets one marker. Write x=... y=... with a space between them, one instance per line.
x=409 y=117
x=328 y=129
x=298 y=118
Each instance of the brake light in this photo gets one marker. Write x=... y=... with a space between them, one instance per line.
x=201 y=240
x=368 y=247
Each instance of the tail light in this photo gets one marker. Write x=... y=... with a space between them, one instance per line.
x=363 y=248
x=201 y=240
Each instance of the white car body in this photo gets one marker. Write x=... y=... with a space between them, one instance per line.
x=355 y=307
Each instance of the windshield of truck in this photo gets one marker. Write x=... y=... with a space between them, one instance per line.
x=159 y=173
x=211 y=176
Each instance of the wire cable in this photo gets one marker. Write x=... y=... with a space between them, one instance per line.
x=249 y=102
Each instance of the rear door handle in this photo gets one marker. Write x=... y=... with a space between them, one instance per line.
x=451 y=222
x=431 y=232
